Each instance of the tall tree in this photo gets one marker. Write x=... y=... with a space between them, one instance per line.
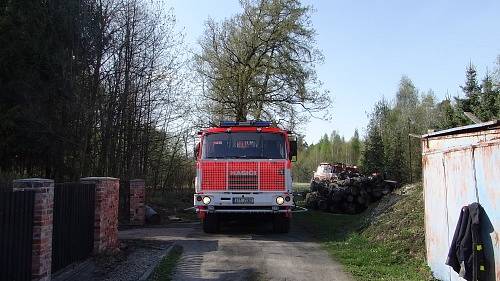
x=373 y=157
x=261 y=63
x=355 y=147
x=90 y=87
x=471 y=89
x=395 y=152
x=488 y=108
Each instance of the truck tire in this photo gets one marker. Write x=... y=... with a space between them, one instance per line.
x=211 y=223
x=281 y=224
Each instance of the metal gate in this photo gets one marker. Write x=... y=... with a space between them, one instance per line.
x=73 y=232
x=124 y=205
x=16 y=234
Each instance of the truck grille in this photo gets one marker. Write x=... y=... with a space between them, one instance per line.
x=249 y=175
x=242 y=176
x=243 y=182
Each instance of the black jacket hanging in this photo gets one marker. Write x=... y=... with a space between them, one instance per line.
x=466 y=255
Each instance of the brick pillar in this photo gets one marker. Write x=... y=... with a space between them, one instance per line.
x=106 y=213
x=137 y=197
x=41 y=258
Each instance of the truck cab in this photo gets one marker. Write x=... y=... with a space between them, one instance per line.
x=244 y=168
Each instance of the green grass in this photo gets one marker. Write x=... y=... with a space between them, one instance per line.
x=389 y=248
x=167 y=265
x=256 y=276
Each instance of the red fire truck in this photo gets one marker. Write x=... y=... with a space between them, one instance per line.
x=244 y=168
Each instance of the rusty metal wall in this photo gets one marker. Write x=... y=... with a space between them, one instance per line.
x=436 y=215
x=460 y=169
x=487 y=164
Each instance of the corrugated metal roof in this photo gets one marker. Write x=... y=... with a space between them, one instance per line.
x=465 y=129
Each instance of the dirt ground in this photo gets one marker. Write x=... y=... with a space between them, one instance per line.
x=248 y=251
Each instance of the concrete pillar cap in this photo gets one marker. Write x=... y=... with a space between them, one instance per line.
x=33 y=183
x=97 y=179
x=136 y=180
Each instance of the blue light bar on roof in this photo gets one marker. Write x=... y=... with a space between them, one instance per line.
x=250 y=123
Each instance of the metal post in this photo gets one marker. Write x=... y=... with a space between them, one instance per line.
x=409 y=150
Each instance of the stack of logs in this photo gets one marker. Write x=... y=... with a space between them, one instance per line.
x=349 y=195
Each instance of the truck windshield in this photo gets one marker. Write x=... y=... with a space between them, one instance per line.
x=244 y=145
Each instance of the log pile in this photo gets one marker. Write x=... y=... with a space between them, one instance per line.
x=350 y=194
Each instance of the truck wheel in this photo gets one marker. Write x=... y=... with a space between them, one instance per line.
x=211 y=223
x=281 y=224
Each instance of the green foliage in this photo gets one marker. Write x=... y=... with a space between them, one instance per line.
x=471 y=88
x=488 y=108
x=480 y=99
x=373 y=157
x=88 y=88
x=449 y=115
x=356 y=147
x=390 y=149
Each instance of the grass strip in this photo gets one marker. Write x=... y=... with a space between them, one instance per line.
x=166 y=267
x=389 y=248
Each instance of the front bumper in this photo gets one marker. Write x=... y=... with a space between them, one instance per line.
x=263 y=202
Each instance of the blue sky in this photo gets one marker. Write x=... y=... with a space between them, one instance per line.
x=369 y=45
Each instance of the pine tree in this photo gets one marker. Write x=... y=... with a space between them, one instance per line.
x=397 y=168
x=355 y=147
x=373 y=156
x=472 y=90
x=488 y=108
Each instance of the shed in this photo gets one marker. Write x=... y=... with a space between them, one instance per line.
x=461 y=166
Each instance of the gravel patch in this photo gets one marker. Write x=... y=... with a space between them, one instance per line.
x=129 y=264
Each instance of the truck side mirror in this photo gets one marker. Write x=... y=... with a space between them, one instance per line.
x=293 y=150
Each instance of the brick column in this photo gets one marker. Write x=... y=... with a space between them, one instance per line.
x=106 y=213
x=137 y=197
x=41 y=258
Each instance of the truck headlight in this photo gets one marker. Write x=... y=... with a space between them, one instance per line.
x=206 y=200
x=280 y=200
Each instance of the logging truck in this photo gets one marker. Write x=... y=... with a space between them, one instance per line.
x=244 y=168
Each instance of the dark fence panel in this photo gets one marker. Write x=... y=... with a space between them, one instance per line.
x=124 y=206
x=5 y=186
x=16 y=234
x=73 y=232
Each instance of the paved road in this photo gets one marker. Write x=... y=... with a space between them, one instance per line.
x=242 y=252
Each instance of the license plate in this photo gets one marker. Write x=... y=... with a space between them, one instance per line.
x=242 y=200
